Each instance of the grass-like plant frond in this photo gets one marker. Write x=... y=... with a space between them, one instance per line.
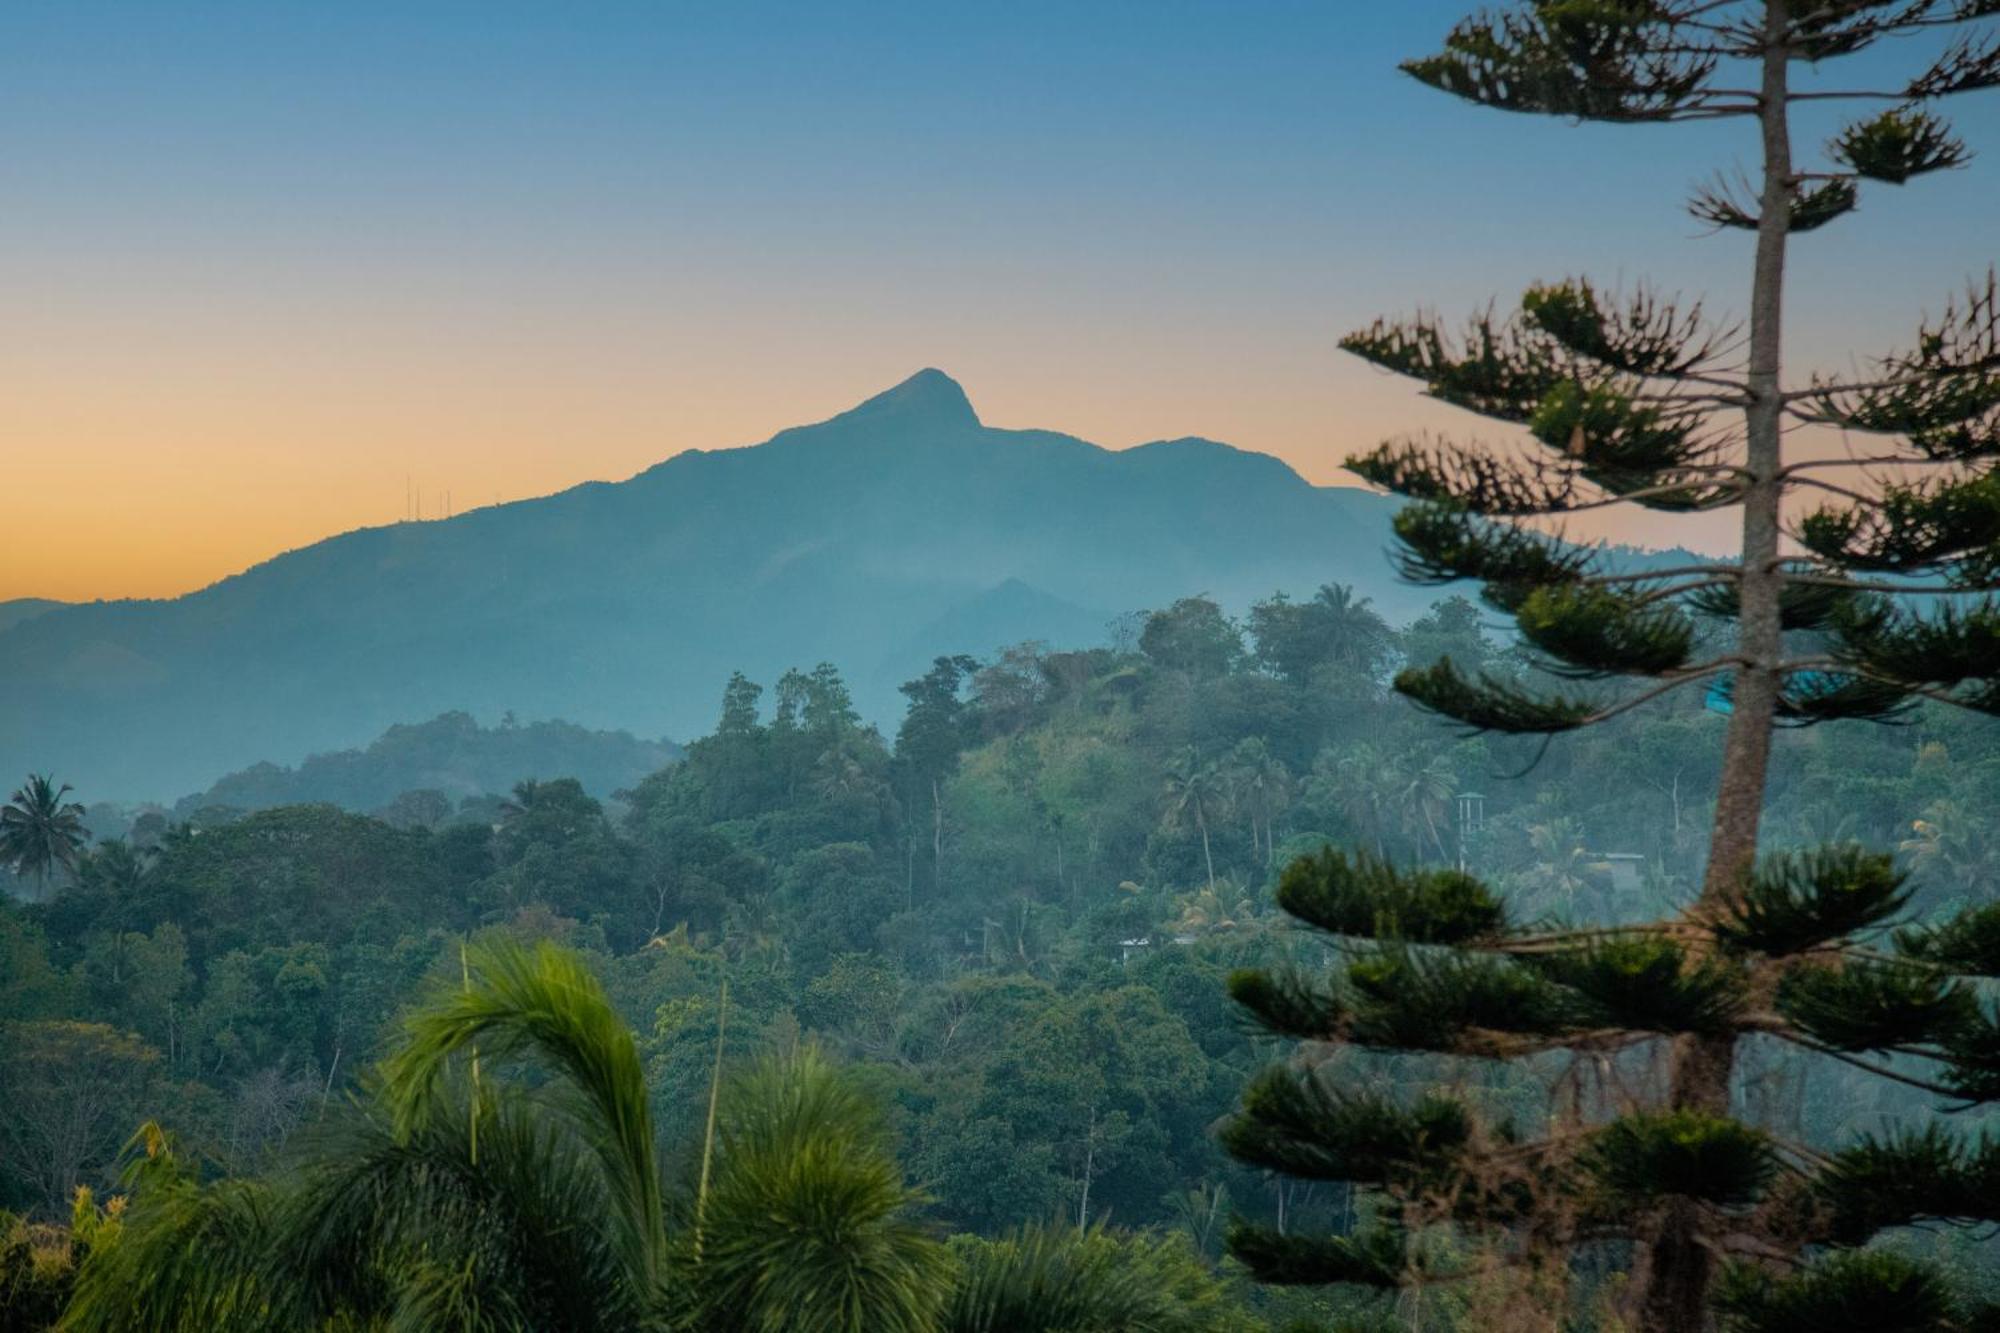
x=489 y=1206
x=808 y=1226
x=189 y=1258
x=1057 y=1279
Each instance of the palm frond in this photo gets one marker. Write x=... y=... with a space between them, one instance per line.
x=544 y=1003
x=1056 y=1279
x=808 y=1226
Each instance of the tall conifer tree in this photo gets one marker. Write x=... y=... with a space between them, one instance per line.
x=1880 y=599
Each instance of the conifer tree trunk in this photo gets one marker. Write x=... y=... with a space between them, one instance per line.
x=1624 y=395
x=1674 y=1275
x=1747 y=748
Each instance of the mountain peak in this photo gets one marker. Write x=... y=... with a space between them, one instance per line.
x=929 y=398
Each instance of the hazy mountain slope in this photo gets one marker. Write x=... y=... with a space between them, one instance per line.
x=997 y=617
x=451 y=754
x=19 y=609
x=626 y=605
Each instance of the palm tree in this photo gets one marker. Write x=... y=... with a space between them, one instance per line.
x=458 y=1195
x=527 y=794
x=1207 y=911
x=39 y=831
x=1561 y=863
x=809 y=1227
x=1949 y=843
x=1376 y=791
x=1357 y=636
x=1418 y=792
x=1350 y=785
x=442 y=1200
x=116 y=870
x=1192 y=789
x=1260 y=786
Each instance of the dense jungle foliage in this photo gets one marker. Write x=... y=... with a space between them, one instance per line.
x=1011 y=922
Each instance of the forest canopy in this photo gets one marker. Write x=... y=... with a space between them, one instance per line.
x=1014 y=918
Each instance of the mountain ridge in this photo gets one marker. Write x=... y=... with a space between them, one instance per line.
x=626 y=604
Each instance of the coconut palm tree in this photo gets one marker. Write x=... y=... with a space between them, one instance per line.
x=1356 y=634
x=40 y=832
x=1419 y=790
x=1561 y=868
x=1193 y=790
x=116 y=869
x=1260 y=786
x=1207 y=911
x=1953 y=847
x=1348 y=783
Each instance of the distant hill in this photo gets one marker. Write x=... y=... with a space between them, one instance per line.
x=894 y=531
x=451 y=754
x=19 y=609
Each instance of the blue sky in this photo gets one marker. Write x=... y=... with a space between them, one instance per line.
x=283 y=254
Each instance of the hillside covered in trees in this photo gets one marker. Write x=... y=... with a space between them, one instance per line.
x=900 y=529
x=1013 y=918
x=425 y=771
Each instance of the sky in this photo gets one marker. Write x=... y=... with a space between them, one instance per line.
x=268 y=267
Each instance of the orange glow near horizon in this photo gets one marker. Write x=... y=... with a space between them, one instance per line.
x=179 y=479
x=184 y=474
x=264 y=263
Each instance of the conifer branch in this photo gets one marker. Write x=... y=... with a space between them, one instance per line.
x=1880 y=1071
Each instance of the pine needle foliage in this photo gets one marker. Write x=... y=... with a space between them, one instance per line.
x=1375 y=1257
x=1638 y=1158
x=1863 y=1005
x=1646 y=983
x=1803 y=899
x=1968 y=943
x=1365 y=896
x=1299 y=1123
x=1863 y=1291
x=1290 y=1002
x=1905 y=1178
x=1451 y=1003
x=1882 y=602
